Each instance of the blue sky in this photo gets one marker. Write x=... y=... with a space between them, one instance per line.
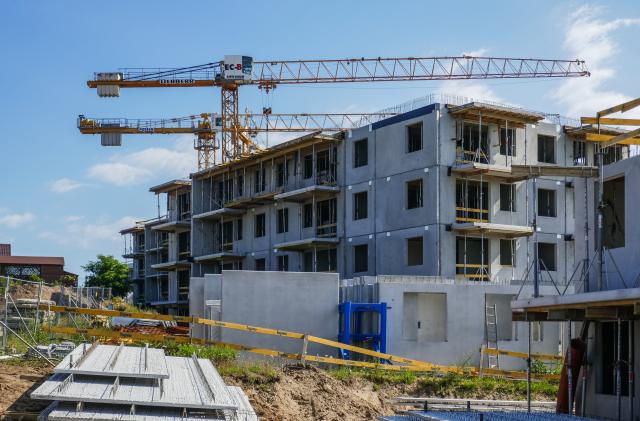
x=62 y=194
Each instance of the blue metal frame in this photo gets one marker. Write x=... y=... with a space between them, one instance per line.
x=349 y=311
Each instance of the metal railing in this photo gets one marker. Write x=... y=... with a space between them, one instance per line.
x=20 y=302
x=471 y=214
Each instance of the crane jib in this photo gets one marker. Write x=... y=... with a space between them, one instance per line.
x=237 y=70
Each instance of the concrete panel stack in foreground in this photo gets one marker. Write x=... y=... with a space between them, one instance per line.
x=104 y=382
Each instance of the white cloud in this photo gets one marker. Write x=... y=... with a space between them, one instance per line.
x=477 y=91
x=476 y=53
x=15 y=220
x=590 y=38
x=139 y=167
x=63 y=185
x=104 y=232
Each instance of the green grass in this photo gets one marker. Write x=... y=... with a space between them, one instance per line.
x=379 y=377
x=468 y=386
x=41 y=337
x=217 y=354
x=457 y=385
x=255 y=373
x=120 y=304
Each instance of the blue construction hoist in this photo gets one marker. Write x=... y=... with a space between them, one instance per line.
x=351 y=326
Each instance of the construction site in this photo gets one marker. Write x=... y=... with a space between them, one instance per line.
x=448 y=258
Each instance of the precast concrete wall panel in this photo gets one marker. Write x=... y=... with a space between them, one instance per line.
x=294 y=301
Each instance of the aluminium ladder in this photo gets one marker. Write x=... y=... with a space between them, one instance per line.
x=491 y=330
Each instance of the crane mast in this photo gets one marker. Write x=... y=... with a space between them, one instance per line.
x=236 y=70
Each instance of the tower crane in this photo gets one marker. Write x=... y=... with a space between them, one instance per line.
x=237 y=70
x=205 y=127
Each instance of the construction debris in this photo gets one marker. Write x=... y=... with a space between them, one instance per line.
x=52 y=350
x=120 y=382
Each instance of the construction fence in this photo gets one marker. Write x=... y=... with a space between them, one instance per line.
x=377 y=360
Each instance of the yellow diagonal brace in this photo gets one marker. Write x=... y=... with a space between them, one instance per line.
x=626 y=106
x=611 y=121
x=621 y=138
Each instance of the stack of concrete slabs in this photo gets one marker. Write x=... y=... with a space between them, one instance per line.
x=192 y=383
x=94 y=383
x=67 y=411
x=245 y=411
x=112 y=360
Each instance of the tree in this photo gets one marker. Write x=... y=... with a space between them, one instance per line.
x=108 y=272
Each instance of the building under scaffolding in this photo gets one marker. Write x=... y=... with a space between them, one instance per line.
x=458 y=189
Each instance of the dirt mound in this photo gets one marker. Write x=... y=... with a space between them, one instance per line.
x=310 y=393
x=49 y=293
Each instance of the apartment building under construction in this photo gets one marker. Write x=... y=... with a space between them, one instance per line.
x=160 y=250
x=460 y=190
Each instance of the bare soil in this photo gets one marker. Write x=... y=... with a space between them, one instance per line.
x=313 y=394
x=297 y=394
x=31 y=291
x=288 y=393
x=17 y=381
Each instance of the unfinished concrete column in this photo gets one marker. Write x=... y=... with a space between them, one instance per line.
x=315 y=259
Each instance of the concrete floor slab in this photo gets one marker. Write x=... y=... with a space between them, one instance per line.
x=66 y=411
x=112 y=360
x=192 y=383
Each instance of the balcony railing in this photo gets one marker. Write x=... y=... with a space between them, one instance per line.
x=473 y=271
x=183 y=293
x=468 y=156
x=327 y=230
x=471 y=214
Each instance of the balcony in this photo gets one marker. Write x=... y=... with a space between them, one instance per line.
x=133 y=253
x=183 y=294
x=219 y=257
x=171 y=266
x=307 y=244
x=163 y=246
x=489 y=229
x=476 y=170
x=305 y=193
x=464 y=214
x=258 y=198
x=216 y=214
x=473 y=271
x=514 y=173
x=177 y=226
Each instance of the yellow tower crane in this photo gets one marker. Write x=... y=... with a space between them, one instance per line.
x=237 y=70
x=207 y=125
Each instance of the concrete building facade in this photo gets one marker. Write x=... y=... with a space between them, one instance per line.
x=605 y=308
x=160 y=251
x=429 y=192
x=444 y=321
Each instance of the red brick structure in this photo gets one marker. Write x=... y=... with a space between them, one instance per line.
x=51 y=269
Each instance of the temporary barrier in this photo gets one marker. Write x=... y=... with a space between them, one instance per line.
x=411 y=363
x=515 y=354
x=105 y=333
